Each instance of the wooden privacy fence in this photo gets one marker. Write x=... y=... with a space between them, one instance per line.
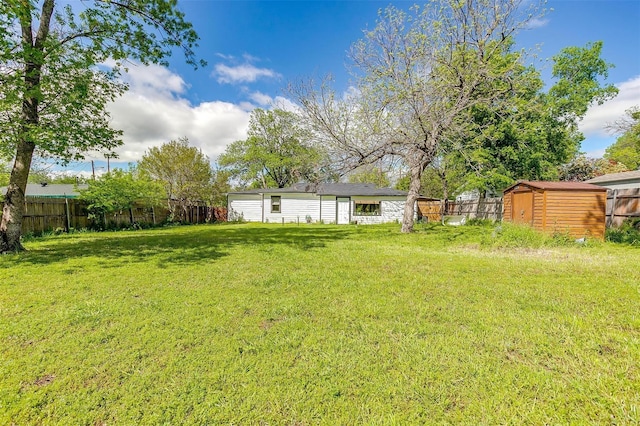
x=621 y=205
x=50 y=214
x=483 y=208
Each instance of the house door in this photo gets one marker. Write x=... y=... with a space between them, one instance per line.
x=343 y=210
x=522 y=207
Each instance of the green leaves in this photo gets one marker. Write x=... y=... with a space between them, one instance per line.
x=277 y=151
x=119 y=190
x=578 y=71
x=183 y=170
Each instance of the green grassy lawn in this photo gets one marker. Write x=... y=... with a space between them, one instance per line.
x=269 y=324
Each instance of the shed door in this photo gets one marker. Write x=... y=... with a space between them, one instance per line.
x=343 y=207
x=522 y=207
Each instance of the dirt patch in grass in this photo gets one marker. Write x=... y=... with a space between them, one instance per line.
x=45 y=380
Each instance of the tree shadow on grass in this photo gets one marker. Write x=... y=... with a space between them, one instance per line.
x=176 y=246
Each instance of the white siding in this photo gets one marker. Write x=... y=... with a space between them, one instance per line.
x=293 y=208
x=392 y=210
x=296 y=207
x=328 y=209
x=245 y=207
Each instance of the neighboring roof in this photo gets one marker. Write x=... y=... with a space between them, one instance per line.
x=615 y=177
x=336 y=189
x=51 y=190
x=557 y=186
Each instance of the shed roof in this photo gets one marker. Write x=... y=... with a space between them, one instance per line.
x=336 y=189
x=615 y=177
x=557 y=186
x=52 y=190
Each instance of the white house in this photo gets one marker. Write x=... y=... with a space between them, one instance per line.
x=624 y=180
x=339 y=203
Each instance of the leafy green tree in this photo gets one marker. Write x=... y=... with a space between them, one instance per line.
x=183 y=170
x=626 y=149
x=370 y=174
x=55 y=85
x=538 y=131
x=444 y=178
x=417 y=76
x=5 y=172
x=220 y=187
x=277 y=152
x=120 y=191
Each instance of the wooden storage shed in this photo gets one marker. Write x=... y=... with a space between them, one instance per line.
x=573 y=207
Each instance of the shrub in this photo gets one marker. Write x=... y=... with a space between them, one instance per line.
x=627 y=233
x=510 y=235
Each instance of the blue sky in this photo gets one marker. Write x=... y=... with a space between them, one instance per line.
x=253 y=48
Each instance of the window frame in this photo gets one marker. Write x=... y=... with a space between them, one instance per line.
x=276 y=200
x=376 y=211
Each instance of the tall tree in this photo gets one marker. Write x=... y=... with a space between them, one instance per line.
x=539 y=131
x=184 y=171
x=418 y=74
x=276 y=152
x=55 y=84
x=626 y=149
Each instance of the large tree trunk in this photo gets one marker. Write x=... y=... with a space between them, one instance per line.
x=13 y=207
x=412 y=197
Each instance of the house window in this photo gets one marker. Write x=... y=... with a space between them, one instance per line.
x=275 y=204
x=367 y=208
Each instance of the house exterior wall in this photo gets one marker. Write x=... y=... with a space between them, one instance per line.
x=293 y=208
x=392 y=209
x=304 y=206
x=245 y=207
x=328 y=209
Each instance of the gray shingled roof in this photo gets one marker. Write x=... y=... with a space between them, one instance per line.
x=336 y=189
x=615 y=177
x=50 y=190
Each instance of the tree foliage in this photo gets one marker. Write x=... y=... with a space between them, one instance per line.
x=277 y=152
x=418 y=75
x=183 y=170
x=55 y=81
x=119 y=191
x=538 y=132
x=626 y=149
x=582 y=168
x=370 y=173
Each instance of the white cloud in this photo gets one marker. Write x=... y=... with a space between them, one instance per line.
x=279 y=102
x=595 y=121
x=261 y=98
x=153 y=112
x=244 y=73
x=536 y=23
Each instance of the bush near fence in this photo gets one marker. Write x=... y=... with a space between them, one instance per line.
x=61 y=214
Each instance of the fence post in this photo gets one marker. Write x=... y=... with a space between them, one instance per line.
x=613 y=207
x=66 y=209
